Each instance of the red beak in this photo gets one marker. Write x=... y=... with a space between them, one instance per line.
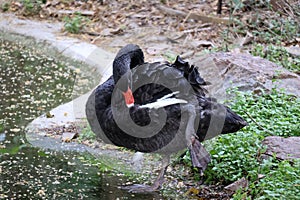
x=129 y=99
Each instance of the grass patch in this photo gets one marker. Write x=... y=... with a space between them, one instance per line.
x=32 y=7
x=278 y=55
x=281 y=181
x=86 y=134
x=237 y=155
x=276 y=30
x=266 y=24
x=276 y=111
x=5 y=6
x=75 y=24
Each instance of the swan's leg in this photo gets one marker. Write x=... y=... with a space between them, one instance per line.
x=137 y=161
x=160 y=179
x=190 y=117
x=199 y=156
x=138 y=188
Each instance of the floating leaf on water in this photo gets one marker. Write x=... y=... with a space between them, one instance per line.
x=77 y=71
x=56 y=182
x=15 y=130
x=41 y=193
x=70 y=163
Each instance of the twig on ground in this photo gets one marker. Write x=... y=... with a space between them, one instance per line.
x=194 y=16
x=258 y=124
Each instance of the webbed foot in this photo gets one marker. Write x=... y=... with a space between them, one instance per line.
x=199 y=156
x=140 y=188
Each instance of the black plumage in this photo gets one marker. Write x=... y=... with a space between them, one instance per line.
x=184 y=124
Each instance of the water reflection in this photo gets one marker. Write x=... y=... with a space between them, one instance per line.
x=32 y=173
x=36 y=174
x=31 y=84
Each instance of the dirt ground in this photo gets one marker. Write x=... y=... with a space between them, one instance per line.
x=163 y=28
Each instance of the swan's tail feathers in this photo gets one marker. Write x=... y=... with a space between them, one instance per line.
x=233 y=122
x=192 y=74
x=199 y=156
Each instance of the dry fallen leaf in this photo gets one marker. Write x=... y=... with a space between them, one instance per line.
x=241 y=183
x=68 y=136
x=193 y=191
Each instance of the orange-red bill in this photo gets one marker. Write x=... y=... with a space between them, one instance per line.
x=129 y=99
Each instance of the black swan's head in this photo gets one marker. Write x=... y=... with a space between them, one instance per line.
x=127 y=58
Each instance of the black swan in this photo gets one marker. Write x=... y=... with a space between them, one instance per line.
x=157 y=108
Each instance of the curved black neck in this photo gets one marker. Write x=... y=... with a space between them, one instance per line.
x=127 y=58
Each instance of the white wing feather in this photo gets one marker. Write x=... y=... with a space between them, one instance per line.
x=163 y=102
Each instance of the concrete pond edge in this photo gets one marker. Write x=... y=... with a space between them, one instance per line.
x=50 y=40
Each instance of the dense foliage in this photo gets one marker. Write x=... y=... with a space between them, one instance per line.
x=75 y=24
x=238 y=155
x=278 y=55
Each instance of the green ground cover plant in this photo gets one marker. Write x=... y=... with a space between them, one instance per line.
x=278 y=55
x=75 y=24
x=86 y=134
x=238 y=155
x=32 y=7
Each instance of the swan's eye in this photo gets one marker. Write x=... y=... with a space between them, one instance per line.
x=129 y=99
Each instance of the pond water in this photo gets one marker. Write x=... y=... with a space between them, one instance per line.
x=32 y=84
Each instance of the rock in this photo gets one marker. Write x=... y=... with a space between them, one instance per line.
x=68 y=136
x=202 y=43
x=241 y=183
x=248 y=73
x=187 y=54
x=282 y=148
x=157 y=49
x=293 y=50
